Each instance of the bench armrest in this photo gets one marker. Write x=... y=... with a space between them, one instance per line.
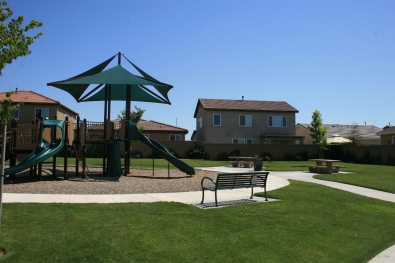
x=206 y=178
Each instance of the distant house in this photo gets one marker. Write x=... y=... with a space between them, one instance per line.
x=159 y=131
x=245 y=122
x=387 y=135
x=368 y=134
x=36 y=105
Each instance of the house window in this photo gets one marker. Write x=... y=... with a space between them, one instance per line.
x=175 y=137
x=200 y=122
x=16 y=114
x=217 y=119
x=393 y=139
x=238 y=141
x=41 y=112
x=245 y=120
x=252 y=141
x=277 y=121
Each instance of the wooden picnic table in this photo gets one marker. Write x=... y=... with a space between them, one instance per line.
x=241 y=161
x=324 y=166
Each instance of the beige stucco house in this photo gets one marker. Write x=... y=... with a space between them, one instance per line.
x=368 y=134
x=387 y=135
x=36 y=105
x=245 y=122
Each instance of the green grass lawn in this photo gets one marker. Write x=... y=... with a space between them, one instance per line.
x=378 y=177
x=312 y=223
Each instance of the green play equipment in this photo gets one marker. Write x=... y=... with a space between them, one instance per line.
x=118 y=84
x=135 y=134
x=43 y=151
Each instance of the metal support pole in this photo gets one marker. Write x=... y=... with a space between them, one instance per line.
x=105 y=128
x=127 y=142
x=53 y=140
x=66 y=146
x=77 y=144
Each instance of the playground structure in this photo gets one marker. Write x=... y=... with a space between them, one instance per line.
x=89 y=133
x=114 y=84
x=45 y=138
x=42 y=139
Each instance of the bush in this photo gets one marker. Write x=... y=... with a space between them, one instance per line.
x=197 y=153
x=266 y=156
x=136 y=154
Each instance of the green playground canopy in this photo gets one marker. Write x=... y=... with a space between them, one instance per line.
x=117 y=79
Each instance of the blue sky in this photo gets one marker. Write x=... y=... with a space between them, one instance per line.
x=334 y=56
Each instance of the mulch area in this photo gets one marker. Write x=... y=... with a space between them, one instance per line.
x=137 y=182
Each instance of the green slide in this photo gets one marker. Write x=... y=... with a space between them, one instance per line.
x=43 y=150
x=134 y=134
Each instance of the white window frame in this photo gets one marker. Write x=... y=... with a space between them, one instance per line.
x=175 y=137
x=216 y=114
x=239 y=141
x=35 y=112
x=245 y=120
x=252 y=141
x=282 y=121
x=17 y=113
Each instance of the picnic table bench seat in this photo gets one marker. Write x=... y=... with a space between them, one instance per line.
x=324 y=169
x=234 y=181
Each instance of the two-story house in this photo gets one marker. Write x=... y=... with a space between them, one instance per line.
x=245 y=122
x=36 y=105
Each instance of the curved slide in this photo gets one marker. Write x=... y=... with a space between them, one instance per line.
x=43 y=150
x=135 y=134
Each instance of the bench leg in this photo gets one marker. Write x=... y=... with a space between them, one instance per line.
x=216 y=203
x=252 y=192
x=202 y=197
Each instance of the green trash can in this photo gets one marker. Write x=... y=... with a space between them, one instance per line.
x=258 y=162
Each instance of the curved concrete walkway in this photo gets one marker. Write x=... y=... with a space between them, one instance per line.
x=275 y=180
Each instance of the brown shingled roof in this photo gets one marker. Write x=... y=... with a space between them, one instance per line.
x=27 y=96
x=158 y=126
x=154 y=126
x=244 y=105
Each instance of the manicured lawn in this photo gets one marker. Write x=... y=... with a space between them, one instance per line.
x=312 y=223
x=378 y=177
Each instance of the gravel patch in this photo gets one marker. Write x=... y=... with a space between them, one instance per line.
x=139 y=181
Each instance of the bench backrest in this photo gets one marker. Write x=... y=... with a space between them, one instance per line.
x=232 y=180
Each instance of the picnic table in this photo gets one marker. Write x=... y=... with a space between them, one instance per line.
x=240 y=161
x=324 y=166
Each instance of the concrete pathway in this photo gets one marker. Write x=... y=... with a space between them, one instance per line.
x=227 y=197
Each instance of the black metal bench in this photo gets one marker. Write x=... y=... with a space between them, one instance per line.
x=234 y=181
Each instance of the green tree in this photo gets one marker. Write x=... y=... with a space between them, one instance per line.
x=354 y=134
x=13 y=41
x=7 y=109
x=318 y=132
x=135 y=116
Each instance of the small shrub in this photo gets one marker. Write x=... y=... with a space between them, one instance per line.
x=197 y=153
x=267 y=158
x=136 y=154
x=298 y=158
